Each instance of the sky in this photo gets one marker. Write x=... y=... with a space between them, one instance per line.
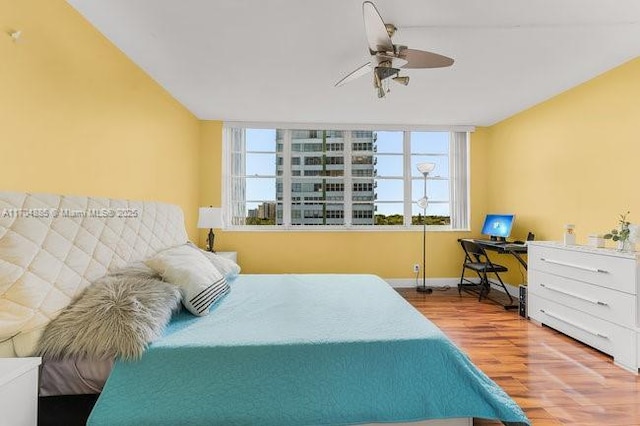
x=424 y=145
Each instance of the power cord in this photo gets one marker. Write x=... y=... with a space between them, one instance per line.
x=443 y=288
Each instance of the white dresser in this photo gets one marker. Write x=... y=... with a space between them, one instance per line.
x=589 y=294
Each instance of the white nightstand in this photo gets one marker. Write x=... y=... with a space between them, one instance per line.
x=232 y=255
x=19 y=390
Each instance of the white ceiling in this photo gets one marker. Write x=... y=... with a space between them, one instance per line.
x=278 y=60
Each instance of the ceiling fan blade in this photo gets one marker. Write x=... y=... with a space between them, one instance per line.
x=366 y=68
x=377 y=35
x=421 y=59
x=396 y=62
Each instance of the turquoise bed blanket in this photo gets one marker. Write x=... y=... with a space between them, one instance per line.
x=301 y=350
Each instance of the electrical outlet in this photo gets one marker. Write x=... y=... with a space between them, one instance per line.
x=416 y=267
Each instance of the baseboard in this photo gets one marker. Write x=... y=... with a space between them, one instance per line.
x=431 y=282
x=443 y=282
x=513 y=289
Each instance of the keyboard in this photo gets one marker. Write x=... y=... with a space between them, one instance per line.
x=491 y=242
x=514 y=246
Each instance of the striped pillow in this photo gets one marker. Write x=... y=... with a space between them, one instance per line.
x=201 y=284
x=200 y=303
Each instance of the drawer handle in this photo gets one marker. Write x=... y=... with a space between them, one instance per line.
x=573 y=265
x=577 y=296
x=566 y=321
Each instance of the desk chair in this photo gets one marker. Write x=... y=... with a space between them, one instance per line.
x=476 y=260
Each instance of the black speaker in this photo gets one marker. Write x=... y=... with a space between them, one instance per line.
x=522 y=301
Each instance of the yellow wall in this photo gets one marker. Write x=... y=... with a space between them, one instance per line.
x=78 y=117
x=572 y=159
x=388 y=254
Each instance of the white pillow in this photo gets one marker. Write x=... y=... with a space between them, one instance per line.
x=201 y=284
x=227 y=267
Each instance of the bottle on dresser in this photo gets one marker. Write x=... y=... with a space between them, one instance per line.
x=569 y=235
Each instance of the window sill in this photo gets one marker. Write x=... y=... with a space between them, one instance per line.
x=381 y=228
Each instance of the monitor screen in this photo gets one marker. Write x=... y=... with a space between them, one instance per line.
x=498 y=225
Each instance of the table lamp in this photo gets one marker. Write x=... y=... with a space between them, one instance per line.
x=210 y=217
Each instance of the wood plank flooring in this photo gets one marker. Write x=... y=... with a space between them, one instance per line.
x=555 y=379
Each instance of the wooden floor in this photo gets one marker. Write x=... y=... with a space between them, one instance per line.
x=555 y=379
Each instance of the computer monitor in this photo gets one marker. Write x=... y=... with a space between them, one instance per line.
x=498 y=226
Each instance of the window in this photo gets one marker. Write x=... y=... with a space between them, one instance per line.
x=357 y=179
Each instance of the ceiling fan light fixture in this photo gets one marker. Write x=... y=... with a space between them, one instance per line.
x=384 y=71
x=404 y=80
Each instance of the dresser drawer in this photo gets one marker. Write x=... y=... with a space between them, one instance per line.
x=613 y=272
x=611 y=305
x=612 y=339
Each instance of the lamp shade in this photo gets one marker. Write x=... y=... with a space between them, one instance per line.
x=425 y=168
x=210 y=217
x=423 y=203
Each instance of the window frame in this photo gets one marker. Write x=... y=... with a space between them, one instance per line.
x=348 y=180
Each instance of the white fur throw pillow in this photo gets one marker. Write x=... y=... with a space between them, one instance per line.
x=201 y=284
x=117 y=316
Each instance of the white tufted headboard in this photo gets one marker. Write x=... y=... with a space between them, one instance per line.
x=53 y=246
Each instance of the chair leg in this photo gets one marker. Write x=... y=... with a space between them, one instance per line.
x=461 y=281
x=504 y=287
x=479 y=285
x=483 y=285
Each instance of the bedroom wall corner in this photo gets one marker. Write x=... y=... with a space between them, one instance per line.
x=78 y=117
x=210 y=168
x=480 y=192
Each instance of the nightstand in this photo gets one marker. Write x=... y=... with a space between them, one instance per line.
x=19 y=390
x=231 y=255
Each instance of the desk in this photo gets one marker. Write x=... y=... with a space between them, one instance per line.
x=516 y=250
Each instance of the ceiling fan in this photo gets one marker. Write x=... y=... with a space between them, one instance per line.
x=387 y=59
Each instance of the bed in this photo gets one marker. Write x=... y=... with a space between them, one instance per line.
x=275 y=350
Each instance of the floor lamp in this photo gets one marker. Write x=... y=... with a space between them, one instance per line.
x=425 y=169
